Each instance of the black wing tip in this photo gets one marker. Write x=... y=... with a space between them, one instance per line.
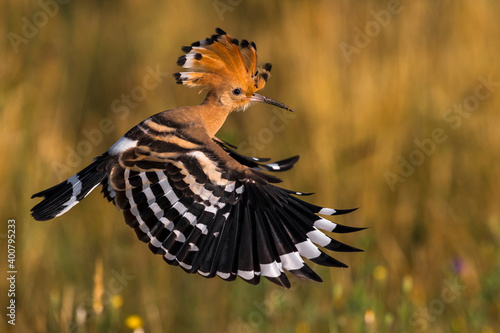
x=253 y=281
x=281 y=280
x=282 y=165
x=341 y=247
x=343 y=229
x=231 y=277
x=325 y=260
x=257 y=163
x=349 y=248
x=306 y=273
x=292 y=159
x=345 y=211
x=297 y=192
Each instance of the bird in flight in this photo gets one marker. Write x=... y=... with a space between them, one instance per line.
x=192 y=197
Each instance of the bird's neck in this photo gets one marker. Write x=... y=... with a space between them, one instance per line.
x=213 y=113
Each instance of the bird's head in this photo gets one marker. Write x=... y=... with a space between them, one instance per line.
x=227 y=69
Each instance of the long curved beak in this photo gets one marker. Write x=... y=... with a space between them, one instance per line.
x=267 y=100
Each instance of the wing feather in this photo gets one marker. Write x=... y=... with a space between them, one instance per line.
x=213 y=212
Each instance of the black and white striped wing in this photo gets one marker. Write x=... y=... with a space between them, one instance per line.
x=198 y=213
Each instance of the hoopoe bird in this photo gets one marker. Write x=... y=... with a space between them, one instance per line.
x=192 y=197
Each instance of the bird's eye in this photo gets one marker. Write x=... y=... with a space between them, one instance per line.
x=237 y=91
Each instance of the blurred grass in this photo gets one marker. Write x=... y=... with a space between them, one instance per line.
x=354 y=120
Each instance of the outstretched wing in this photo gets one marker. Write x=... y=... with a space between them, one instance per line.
x=203 y=211
x=256 y=162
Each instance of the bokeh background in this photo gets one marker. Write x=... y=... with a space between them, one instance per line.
x=393 y=114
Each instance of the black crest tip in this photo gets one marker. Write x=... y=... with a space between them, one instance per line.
x=186 y=49
x=268 y=66
x=244 y=43
x=177 y=77
x=195 y=44
x=253 y=45
x=219 y=31
x=235 y=42
x=181 y=61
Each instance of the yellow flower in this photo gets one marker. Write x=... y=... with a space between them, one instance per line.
x=407 y=283
x=369 y=317
x=116 y=301
x=133 y=322
x=380 y=273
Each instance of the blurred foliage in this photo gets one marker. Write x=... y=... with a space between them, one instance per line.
x=431 y=262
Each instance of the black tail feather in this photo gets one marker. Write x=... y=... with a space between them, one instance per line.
x=62 y=197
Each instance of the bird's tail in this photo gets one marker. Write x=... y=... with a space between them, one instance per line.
x=62 y=197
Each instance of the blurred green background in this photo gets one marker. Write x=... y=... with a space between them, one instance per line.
x=393 y=114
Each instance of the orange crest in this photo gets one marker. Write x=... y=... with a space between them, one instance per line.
x=221 y=61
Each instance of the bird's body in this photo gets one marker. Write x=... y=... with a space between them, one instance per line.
x=194 y=199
